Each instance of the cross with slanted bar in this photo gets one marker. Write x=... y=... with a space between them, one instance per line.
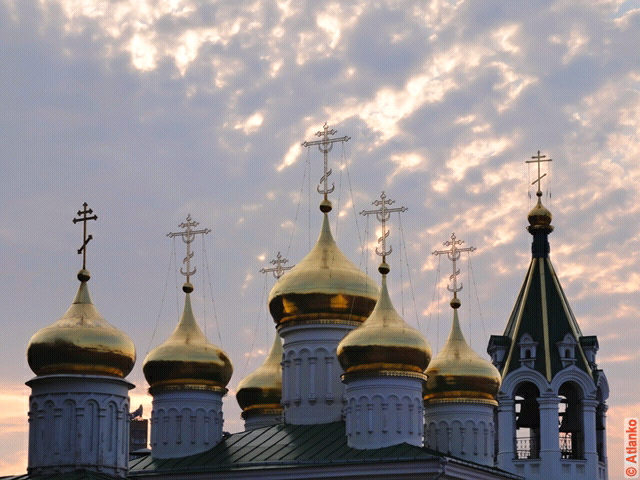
x=84 y=217
x=325 y=146
x=279 y=268
x=187 y=237
x=383 y=214
x=453 y=254
x=539 y=159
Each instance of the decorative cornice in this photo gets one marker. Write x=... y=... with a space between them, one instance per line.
x=187 y=385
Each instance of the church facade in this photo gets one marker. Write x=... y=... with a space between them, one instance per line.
x=349 y=390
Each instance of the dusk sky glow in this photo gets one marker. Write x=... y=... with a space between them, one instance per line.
x=150 y=110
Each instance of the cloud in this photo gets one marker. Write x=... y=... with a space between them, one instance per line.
x=151 y=110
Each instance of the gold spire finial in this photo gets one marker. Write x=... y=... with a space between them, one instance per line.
x=187 y=237
x=83 y=275
x=453 y=253
x=279 y=269
x=383 y=214
x=539 y=159
x=325 y=145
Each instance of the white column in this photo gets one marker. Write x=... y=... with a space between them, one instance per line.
x=506 y=433
x=589 y=406
x=604 y=408
x=297 y=374
x=549 y=436
x=329 y=380
x=461 y=451
x=312 y=379
x=286 y=382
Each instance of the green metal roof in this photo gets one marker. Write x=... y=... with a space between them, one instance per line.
x=75 y=475
x=542 y=311
x=285 y=445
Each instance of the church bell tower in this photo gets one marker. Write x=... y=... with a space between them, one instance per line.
x=551 y=404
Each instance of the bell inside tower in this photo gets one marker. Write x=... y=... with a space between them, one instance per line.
x=571 y=435
x=527 y=437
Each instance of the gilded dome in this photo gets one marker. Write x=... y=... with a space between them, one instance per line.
x=261 y=391
x=384 y=342
x=457 y=373
x=186 y=360
x=540 y=217
x=323 y=285
x=81 y=342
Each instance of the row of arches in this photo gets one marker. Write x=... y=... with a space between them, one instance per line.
x=186 y=426
x=462 y=439
x=366 y=415
x=572 y=417
x=68 y=431
x=309 y=377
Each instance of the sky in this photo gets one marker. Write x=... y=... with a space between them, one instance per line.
x=150 y=110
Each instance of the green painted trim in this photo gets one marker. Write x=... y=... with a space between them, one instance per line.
x=573 y=323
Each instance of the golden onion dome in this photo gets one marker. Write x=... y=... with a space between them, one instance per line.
x=323 y=285
x=384 y=342
x=261 y=391
x=458 y=374
x=186 y=360
x=540 y=217
x=81 y=342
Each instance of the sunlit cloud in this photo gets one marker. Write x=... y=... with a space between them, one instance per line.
x=247 y=281
x=512 y=85
x=573 y=43
x=16 y=463
x=287 y=225
x=251 y=124
x=389 y=106
x=504 y=37
x=334 y=19
x=152 y=109
x=407 y=162
x=291 y=156
x=620 y=358
x=437 y=14
x=473 y=154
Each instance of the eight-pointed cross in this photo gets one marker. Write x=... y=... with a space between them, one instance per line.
x=84 y=217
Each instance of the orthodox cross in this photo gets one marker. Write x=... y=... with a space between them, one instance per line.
x=383 y=214
x=539 y=159
x=453 y=253
x=325 y=145
x=187 y=237
x=279 y=269
x=84 y=217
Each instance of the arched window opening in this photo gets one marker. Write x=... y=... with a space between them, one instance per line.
x=567 y=350
x=570 y=422
x=527 y=350
x=527 y=438
x=600 y=427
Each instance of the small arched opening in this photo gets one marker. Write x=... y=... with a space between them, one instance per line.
x=570 y=422
x=601 y=410
x=527 y=435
